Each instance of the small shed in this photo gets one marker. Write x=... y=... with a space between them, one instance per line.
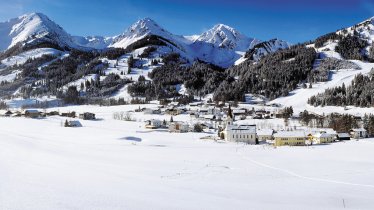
x=343 y=136
x=32 y=113
x=87 y=116
x=5 y=113
x=72 y=123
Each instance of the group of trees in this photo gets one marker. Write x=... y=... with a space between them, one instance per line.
x=368 y=123
x=350 y=47
x=320 y=41
x=274 y=75
x=338 y=122
x=360 y=93
x=199 y=79
x=3 y=105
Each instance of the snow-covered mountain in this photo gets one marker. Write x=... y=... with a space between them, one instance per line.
x=224 y=36
x=364 y=29
x=141 y=29
x=32 y=27
x=222 y=45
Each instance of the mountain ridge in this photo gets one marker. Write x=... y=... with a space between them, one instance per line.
x=221 y=45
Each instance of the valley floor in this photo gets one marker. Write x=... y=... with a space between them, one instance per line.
x=109 y=164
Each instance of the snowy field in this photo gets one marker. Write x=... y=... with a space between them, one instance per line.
x=109 y=164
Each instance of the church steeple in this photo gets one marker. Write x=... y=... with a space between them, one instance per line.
x=230 y=118
x=229 y=112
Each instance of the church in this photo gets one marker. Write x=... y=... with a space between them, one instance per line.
x=238 y=133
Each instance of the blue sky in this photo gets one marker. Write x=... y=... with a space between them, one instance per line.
x=291 y=20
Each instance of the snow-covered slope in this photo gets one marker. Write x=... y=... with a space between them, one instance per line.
x=35 y=53
x=31 y=27
x=264 y=48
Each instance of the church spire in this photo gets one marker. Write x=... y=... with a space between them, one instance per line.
x=229 y=112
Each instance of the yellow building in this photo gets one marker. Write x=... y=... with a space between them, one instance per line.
x=290 y=138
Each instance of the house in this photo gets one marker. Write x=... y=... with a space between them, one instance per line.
x=152 y=111
x=291 y=138
x=240 y=133
x=236 y=112
x=172 y=111
x=315 y=135
x=181 y=110
x=323 y=138
x=179 y=127
x=210 y=117
x=203 y=111
x=31 y=113
x=52 y=113
x=358 y=133
x=17 y=114
x=72 y=123
x=68 y=114
x=265 y=134
x=196 y=104
x=343 y=136
x=5 y=113
x=87 y=116
x=153 y=124
x=174 y=103
x=213 y=111
x=206 y=125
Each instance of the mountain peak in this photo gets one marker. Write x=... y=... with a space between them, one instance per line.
x=32 y=26
x=144 y=26
x=224 y=36
x=138 y=30
x=221 y=26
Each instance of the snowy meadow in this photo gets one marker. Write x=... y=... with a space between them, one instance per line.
x=111 y=164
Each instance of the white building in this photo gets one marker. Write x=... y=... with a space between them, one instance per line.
x=358 y=133
x=265 y=134
x=323 y=138
x=153 y=124
x=240 y=133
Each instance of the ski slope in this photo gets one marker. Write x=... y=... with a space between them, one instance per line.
x=298 y=98
x=109 y=164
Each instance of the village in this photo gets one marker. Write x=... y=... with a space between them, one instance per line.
x=222 y=122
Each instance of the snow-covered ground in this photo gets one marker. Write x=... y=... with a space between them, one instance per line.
x=110 y=164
